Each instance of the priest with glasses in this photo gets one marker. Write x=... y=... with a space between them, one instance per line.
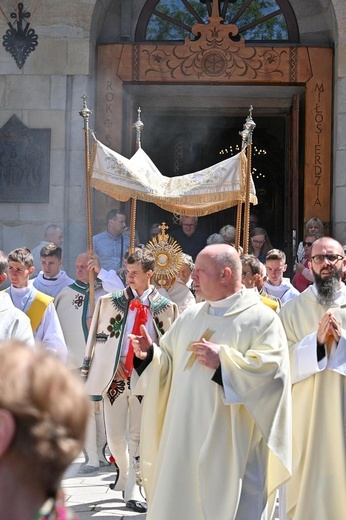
x=315 y=325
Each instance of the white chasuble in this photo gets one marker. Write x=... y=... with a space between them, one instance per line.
x=200 y=455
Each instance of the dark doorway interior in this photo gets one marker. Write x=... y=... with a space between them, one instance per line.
x=180 y=144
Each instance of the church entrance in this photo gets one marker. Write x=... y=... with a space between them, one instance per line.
x=195 y=96
x=184 y=143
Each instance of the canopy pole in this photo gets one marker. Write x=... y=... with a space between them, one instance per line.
x=85 y=114
x=238 y=225
x=244 y=136
x=249 y=127
x=138 y=125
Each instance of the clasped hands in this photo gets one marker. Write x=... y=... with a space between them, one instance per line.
x=328 y=328
x=207 y=353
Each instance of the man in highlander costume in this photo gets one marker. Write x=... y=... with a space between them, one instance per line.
x=216 y=424
x=109 y=362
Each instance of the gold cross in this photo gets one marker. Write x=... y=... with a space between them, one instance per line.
x=163 y=227
x=206 y=335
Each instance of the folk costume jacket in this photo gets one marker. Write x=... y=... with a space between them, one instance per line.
x=103 y=350
x=72 y=306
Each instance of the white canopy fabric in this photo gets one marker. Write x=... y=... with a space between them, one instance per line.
x=195 y=194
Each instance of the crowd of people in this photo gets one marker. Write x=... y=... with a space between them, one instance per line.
x=226 y=386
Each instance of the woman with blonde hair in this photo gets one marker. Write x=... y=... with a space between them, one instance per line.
x=314 y=226
x=259 y=244
x=304 y=276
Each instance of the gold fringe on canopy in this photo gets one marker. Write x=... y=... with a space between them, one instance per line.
x=195 y=194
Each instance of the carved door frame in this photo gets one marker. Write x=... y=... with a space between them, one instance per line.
x=292 y=208
x=215 y=59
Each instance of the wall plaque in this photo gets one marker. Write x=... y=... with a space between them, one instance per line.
x=24 y=162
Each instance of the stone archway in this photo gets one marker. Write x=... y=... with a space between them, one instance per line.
x=329 y=18
x=215 y=59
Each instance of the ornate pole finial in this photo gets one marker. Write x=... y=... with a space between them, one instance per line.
x=138 y=125
x=250 y=124
x=85 y=113
x=244 y=136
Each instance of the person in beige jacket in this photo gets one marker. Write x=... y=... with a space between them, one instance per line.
x=109 y=361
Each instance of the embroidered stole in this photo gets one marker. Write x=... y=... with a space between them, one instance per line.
x=37 y=309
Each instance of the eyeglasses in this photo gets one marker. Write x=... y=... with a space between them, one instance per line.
x=307 y=244
x=258 y=242
x=332 y=259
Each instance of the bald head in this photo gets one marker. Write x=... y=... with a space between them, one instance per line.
x=82 y=271
x=83 y=256
x=54 y=234
x=327 y=243
x=225 y=256
x=217 y=272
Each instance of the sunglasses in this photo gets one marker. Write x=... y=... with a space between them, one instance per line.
x=307 y=244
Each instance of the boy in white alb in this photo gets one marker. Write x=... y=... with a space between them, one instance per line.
x=37 y=306
x=51 y=280
x=276 y=285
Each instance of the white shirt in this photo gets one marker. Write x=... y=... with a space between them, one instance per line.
x=285 y=291
x=110 y=280
x=131 y=320
x=14 y=324
x=52 y=287
x=49 y=331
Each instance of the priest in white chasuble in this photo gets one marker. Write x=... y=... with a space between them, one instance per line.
x=315 y=324
x=216 y=424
